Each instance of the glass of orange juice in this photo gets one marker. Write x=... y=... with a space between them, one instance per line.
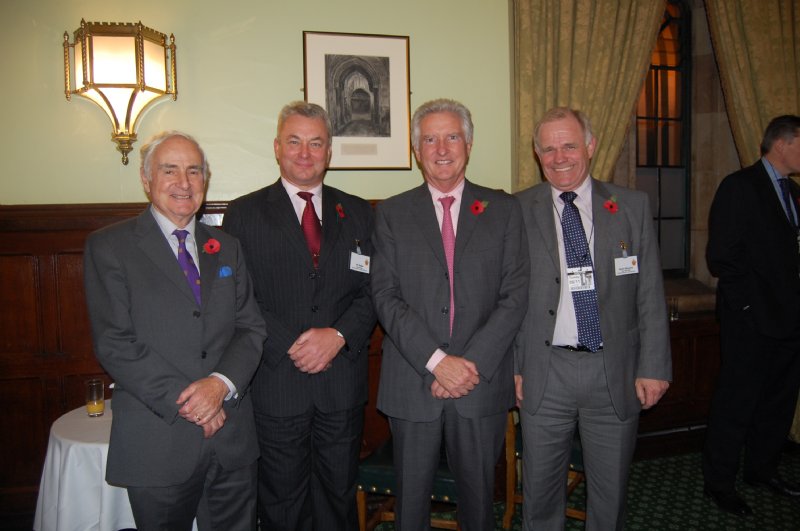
x=95 y=404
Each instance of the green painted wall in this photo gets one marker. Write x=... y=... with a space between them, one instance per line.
x=239 y=62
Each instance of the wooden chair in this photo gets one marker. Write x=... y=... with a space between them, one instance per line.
x=514 y=493
x=376 y=476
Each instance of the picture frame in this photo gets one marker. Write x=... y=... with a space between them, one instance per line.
x=363 y=82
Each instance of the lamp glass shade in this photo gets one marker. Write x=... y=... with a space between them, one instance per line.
x=123 y=68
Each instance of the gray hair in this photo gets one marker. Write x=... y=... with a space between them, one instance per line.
x=307 y=110
x=559 y=113
x=785 y=127
x=442 y=105
x=149 y=147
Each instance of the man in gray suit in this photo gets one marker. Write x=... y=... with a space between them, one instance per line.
x=175 y=324
x=594 y=347
x=311 y=280
x=450 y=280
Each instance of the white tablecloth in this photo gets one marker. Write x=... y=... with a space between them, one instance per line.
x=73 y=493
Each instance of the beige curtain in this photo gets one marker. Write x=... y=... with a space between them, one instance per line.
x=757 y=46
x=587 y=54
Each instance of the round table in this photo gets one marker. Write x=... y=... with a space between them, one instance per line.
x=73 y=493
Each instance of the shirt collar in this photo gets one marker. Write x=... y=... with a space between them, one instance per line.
x=771 y=171
x=167 y=226
x=584 y=192
x=456 y=192
x=292 y=190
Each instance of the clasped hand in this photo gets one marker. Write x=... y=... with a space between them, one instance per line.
x=314 y=349
x=455 y=377
x=201 y=404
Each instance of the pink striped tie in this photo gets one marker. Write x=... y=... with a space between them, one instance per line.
x=449 y=242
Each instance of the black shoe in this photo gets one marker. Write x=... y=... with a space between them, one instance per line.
x=728 y=501
x=776 y=484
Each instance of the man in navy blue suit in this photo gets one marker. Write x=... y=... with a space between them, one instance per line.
x=309 y=248
x=753 y=249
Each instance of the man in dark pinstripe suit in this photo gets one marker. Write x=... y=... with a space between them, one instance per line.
x=310 y=390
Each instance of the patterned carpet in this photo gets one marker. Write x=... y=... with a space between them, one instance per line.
x=667 y=494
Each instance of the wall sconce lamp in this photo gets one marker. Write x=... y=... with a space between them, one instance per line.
x=123 y=68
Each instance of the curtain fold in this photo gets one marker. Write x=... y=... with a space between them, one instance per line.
x=757 y=47
x=587 y=54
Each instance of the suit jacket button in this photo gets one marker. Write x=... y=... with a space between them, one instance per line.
x=445 y=310
x=546 y=342
x=195 y=314
x=203 y=355
x=315 y=308
x=551 y=312
x=558 y=280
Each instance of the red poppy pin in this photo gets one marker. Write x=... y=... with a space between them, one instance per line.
x=340 y=210
x=478 y=207
x=611 y=205
x=212 y=246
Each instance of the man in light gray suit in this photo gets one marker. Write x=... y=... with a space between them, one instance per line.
x=450 y=285
x=181 y=343
x=593 y=349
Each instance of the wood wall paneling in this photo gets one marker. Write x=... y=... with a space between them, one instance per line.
x=46 y=353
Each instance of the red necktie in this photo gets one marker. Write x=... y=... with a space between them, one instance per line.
x=312 y=229
x=449 y=242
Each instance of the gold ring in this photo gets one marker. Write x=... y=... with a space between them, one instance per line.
x=198 y=418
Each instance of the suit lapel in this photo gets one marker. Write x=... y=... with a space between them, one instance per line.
x=609 y=231
x=157 y=249
x=767 y=196
x=467 y=221
x=280 y=212
x=331 y=224
x=208 y=263
x=542 y=210
x=425 y=218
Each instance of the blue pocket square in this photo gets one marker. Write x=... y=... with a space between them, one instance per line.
x=225 y=271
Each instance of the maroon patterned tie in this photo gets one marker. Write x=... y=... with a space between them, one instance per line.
x=449 y=242
x=312 y=229
x=187 y=264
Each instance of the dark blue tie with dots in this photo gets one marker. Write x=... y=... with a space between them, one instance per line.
x=576 y=248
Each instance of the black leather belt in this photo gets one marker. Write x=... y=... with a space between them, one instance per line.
x=579 y=348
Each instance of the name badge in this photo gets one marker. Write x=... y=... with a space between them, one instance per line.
x=359 y=262
x=627 y=265
x=580 y=278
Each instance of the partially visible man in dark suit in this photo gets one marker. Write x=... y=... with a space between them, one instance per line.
x=753 y=250
x=450 y=281
x=181 y=346
x=594 y=347
x=312 y=285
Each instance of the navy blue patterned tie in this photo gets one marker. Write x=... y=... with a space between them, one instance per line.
x=787 y=200
x=187 y=264
x=576 y=248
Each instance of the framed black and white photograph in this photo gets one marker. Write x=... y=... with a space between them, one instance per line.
x=363 y=83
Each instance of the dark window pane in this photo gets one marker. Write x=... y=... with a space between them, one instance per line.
x=647 y=182
x=673 y=233
x=673 y=192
